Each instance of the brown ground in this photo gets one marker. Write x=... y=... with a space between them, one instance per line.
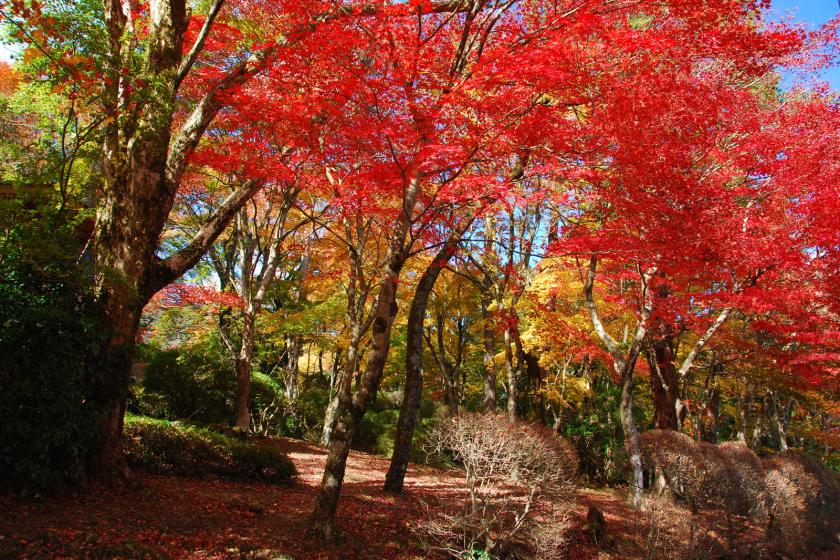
x=171 y=517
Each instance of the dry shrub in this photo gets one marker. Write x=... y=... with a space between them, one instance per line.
x=796 y=496
x=804 y=504
x=680 y=461
x=747 y=490
x=728 y=475
x=669 y=534
x=519 y=486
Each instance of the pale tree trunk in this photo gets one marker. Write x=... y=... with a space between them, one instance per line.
x=293 y=349
x=294 y=343
x=631 y=434
x=449 y=373
x=488 y=334
x=624 y=366
x=778 y=423
x=744 y=404
x=511 y=376
x=330 y=417
x=758 y=430
x=258 y=269
x=331 y=414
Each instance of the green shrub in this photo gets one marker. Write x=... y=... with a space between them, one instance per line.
x=376 y=431
x=192 y=382
x=169 y=448
x=274 y=415
x=51 y=374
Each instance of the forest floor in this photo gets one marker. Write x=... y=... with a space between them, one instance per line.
x=162 y=517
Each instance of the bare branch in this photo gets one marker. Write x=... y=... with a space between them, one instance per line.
x=188 y=62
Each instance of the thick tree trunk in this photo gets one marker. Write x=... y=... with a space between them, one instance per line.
x=322 y=518
x=109 y=463
x=243 y=372
x=352 y=407
x=123 y=257
x=664 y=383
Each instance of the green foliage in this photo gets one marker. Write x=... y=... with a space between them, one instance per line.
x=594 y=428
x=50 y=339
x=275 y=415
x=194 y=382
x=475 y=554
x=376 y=431
x=170 y=448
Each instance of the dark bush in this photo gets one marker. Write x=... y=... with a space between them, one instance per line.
x=804 y=504
x=274 y=415
x=52 y=376
x=167 y=448
x=377 y=430
x=193 y=382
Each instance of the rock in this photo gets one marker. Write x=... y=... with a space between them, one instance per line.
x=596 y=526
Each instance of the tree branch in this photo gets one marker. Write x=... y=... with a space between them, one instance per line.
x=169 y=269
x=188 y=62
x=589 y=283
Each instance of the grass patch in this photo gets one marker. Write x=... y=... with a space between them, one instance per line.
x=170 y=448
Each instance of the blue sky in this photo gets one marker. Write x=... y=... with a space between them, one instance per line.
x=811 y=12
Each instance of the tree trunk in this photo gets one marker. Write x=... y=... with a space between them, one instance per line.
x=410 y=407
x=535 y=378
x=331 y=414
x=293 y=346
x=631 y=434
x=664 y=383
x=243 y=371
x=488 y=329
x=352 y=407
x=330 y=418
x=109 y=463
x=488 y=364
x=511 y=377
x=744 y=404
x=120 y=256
x=350 y=410
x=778 y=424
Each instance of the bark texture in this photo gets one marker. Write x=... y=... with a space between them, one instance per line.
x=410 y=407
